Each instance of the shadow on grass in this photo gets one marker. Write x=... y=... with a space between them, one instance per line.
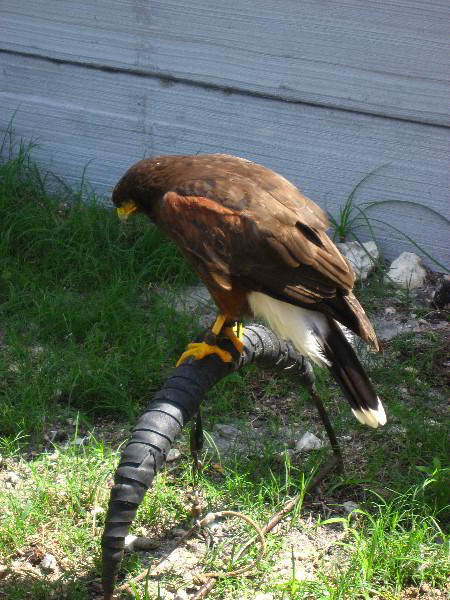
x=28 y=585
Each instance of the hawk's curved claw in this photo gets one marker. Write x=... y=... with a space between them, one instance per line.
x=201 y=349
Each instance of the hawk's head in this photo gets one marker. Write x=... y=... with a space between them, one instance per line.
x=139 y=190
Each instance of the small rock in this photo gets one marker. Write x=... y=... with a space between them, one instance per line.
x=181 y=595
x=48 y=562
x=50 y=436
x=145 y=543
x=350 y=506
x=179 y=532
x=215 y=528
x=441 y=297
x=60 y=435
x=12 y=478
x=227 y=431
x=173 y=454
x=387 y=329
x=307 y=442
x=362 y=257
x=407 y=271
x=79 y=441
x=97 y=510
x=129 y=542
x=389 y=311
x=398 y=429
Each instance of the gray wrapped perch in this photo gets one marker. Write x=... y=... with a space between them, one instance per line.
x=169 y=411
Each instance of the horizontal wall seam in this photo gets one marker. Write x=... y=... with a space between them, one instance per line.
x=167 y=78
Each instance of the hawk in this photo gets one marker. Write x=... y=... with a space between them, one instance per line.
x=260 y=247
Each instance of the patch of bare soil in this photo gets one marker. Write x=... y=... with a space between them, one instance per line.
x=425 y=592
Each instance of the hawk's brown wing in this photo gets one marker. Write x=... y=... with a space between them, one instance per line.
x=234 y=182
x=243 y=226
x=262 y=245
x=246 y=227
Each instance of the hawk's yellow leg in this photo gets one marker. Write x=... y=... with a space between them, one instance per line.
x=201 y=349
x=235 y=334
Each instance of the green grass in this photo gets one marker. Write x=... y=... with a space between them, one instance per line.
x=78 y=291
x=87 y=337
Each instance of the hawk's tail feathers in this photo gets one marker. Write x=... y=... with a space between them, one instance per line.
x=349 y=374
x=322 y=340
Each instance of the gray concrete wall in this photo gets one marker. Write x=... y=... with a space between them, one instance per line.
x=322 y=91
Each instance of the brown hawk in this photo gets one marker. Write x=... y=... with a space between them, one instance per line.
x=260 y=247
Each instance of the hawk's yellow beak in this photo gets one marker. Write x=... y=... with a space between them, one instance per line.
x=126 y=209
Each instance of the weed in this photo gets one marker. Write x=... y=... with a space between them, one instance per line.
x=76 y=292
x=353 y=217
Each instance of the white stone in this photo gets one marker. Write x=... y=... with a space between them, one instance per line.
x=97 y=510
x=130 y=541
x=397 y=429
x=407 y=271
x=48 y=562
x=173 y=454
x=362 y=257
x=12 y=478
x=307 y=442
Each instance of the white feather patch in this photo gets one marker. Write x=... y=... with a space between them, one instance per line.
x=297 y=324
x=371 y=417
x=292 y=323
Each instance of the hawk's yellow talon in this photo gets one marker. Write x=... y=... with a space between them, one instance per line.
x=202 y=349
